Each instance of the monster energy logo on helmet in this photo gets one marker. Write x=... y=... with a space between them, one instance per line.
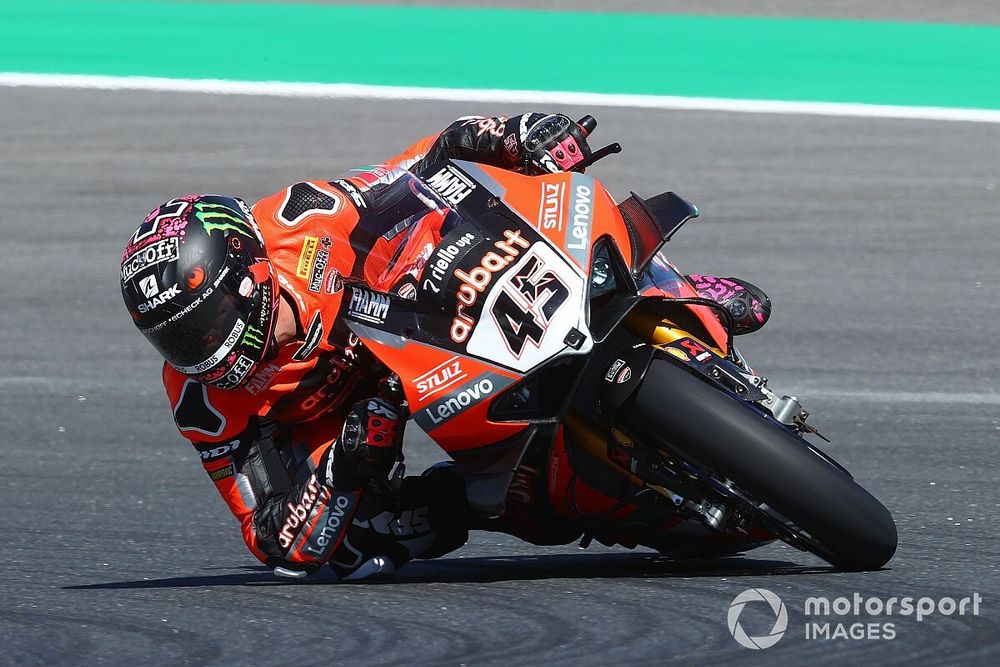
x=221 y=217
x=253 y=338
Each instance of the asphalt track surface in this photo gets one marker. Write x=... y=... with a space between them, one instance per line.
x=877 y=241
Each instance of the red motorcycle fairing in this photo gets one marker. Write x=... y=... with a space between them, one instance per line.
x=447 y=391
x=488 y=290
x=490 y=284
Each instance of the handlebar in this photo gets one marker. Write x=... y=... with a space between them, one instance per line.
x=588 y=123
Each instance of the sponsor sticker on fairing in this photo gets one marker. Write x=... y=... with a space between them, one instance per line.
x=368 y=306
x=478 y=279
x=436 y=269
x=696 y=350
x=452 y=185
x=529 y=300
x=461 y=399
x=579 y=236
x=439 y=378
x=550 y=210
x=615 y=367
x=407 y=291
x=528 y=314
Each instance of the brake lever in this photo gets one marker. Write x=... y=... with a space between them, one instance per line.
x=610 y=149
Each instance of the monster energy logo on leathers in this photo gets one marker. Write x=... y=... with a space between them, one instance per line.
x=253 y=338
x=221 y=217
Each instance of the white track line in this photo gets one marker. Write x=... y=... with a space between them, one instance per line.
x=360 y=91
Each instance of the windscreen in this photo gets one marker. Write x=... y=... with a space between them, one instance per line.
x=661 y=274
x=398 y=231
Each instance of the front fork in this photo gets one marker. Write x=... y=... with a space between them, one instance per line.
x=688 y=492
x=730 y=372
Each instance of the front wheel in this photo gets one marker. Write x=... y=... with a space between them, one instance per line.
x=707 y=428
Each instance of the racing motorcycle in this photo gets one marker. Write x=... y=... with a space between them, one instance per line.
x=544 y=340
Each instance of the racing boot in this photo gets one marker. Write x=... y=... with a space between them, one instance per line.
x=747 y=303
x=425 y=517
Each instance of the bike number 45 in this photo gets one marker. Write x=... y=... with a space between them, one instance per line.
x=525 y=306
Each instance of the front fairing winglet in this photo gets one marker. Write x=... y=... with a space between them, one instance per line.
x=652 y=222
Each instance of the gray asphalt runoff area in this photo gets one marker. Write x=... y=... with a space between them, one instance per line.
x=877 y=241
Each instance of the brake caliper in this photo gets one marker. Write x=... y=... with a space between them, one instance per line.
x=786 y=409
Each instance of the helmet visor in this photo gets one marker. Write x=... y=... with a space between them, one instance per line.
x=204 y=333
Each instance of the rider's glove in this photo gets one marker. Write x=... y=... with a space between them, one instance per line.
x=367 y=445
x=545 y=143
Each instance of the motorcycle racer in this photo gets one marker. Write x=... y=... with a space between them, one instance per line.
x=296 y=423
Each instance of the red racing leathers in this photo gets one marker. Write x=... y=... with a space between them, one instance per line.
x=271 y=447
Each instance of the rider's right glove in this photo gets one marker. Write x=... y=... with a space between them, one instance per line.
x=546 y=143
x=367 y=444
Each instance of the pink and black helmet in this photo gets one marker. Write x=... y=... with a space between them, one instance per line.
x=197 y=281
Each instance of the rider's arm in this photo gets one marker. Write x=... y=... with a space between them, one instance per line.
x=473 y=138
x=498 y=141
x=289 y=516
x=289 y=524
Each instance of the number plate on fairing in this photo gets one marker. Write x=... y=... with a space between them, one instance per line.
x=529 y=312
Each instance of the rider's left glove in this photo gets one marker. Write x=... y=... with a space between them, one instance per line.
x=368 y=442
x=546 y=143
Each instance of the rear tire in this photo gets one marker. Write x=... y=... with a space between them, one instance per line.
x=699 y=423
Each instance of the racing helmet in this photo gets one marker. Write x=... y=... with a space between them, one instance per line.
x=198 y=283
